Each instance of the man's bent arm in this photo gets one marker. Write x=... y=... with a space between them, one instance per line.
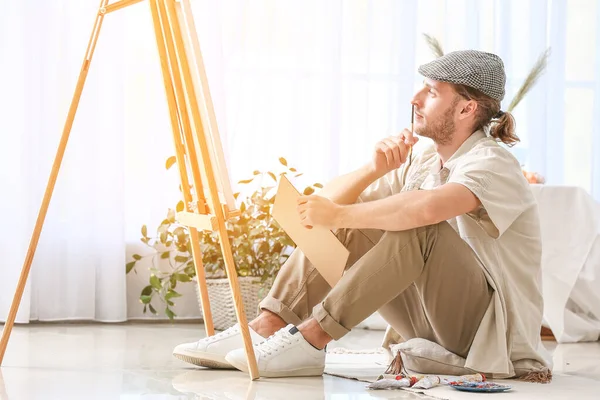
x=408 y=210
x=345 y=189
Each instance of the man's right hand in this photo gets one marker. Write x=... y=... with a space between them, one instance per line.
x=391 y=152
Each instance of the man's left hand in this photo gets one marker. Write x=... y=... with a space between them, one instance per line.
x=319 y=211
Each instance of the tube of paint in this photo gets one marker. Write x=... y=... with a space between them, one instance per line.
x=389 y=384
x=466 y=378
x=427 y=382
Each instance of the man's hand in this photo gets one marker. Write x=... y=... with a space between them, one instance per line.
x=319 y=211
x=391 y=152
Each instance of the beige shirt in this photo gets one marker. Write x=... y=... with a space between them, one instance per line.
x=504 y=232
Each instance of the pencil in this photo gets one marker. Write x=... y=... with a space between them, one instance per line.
x=412 y=122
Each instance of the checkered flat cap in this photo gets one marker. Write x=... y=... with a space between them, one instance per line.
x=476 y=69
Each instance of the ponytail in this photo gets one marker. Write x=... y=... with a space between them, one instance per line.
x=500 y=124
x=502 y=128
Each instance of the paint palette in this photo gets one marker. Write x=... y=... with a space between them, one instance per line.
x=488 y=387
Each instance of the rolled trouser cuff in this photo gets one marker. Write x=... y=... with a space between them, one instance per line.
x=276 y=307
x=332 y=327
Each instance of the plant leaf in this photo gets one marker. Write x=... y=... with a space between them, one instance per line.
x=147 y=290
x=318 y=185
x=308 y=191
x=165 y=255
x=183 y=277
x=246 y=181
x=172 y=294
x=155 y=282
x=283 y=161
x=180 y=206
x=179 y=232
x=170 y=313
x=129 y=266
x=152 y=310
x=144 y=231
x=170 y=161
x=145 y=299
x=272 y=175
x=181 y=258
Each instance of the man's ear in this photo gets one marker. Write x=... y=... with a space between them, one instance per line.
x=468 y=109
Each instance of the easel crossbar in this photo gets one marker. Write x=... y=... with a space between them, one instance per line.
x=118 y=5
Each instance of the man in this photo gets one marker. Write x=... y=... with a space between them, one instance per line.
x=447 y=248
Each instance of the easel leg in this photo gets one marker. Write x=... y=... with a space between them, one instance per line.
x=12 y=314
x=237 y=300
x=212 y=185
x=179 y=125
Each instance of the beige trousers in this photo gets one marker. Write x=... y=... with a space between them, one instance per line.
x=425 y=282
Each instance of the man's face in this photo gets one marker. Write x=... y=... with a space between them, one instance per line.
x=435 y=111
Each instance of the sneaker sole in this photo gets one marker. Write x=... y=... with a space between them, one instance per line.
x=204 y=362
x=313 y=371
x=293 y=373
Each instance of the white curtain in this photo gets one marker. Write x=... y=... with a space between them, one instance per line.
x=77 y=272
x=316 y=82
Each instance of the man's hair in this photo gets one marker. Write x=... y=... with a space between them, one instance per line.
x=501 y=128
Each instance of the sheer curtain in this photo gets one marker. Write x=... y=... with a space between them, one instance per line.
x=315 y=82
x=77 y=271
x=327 y=79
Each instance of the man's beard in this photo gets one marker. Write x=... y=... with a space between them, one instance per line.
x=441 y=130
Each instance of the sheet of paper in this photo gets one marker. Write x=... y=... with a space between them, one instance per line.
x=322 y=248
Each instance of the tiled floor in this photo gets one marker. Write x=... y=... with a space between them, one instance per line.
x=133 y=361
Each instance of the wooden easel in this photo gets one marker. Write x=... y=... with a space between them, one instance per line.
x=210 y=203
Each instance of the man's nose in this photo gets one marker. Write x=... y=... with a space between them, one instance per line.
x=416 y=99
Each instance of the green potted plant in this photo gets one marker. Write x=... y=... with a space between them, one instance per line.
x=259 y=246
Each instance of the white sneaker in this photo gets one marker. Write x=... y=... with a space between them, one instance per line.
x=211 y=351
x=286 y=353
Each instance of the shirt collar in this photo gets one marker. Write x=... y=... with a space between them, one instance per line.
x=464 y=148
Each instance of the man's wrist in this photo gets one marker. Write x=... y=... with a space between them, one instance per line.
x=371 y=173
x=344 y=216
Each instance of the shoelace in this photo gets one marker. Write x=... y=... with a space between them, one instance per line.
x=226 y=333
x=275 y=342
